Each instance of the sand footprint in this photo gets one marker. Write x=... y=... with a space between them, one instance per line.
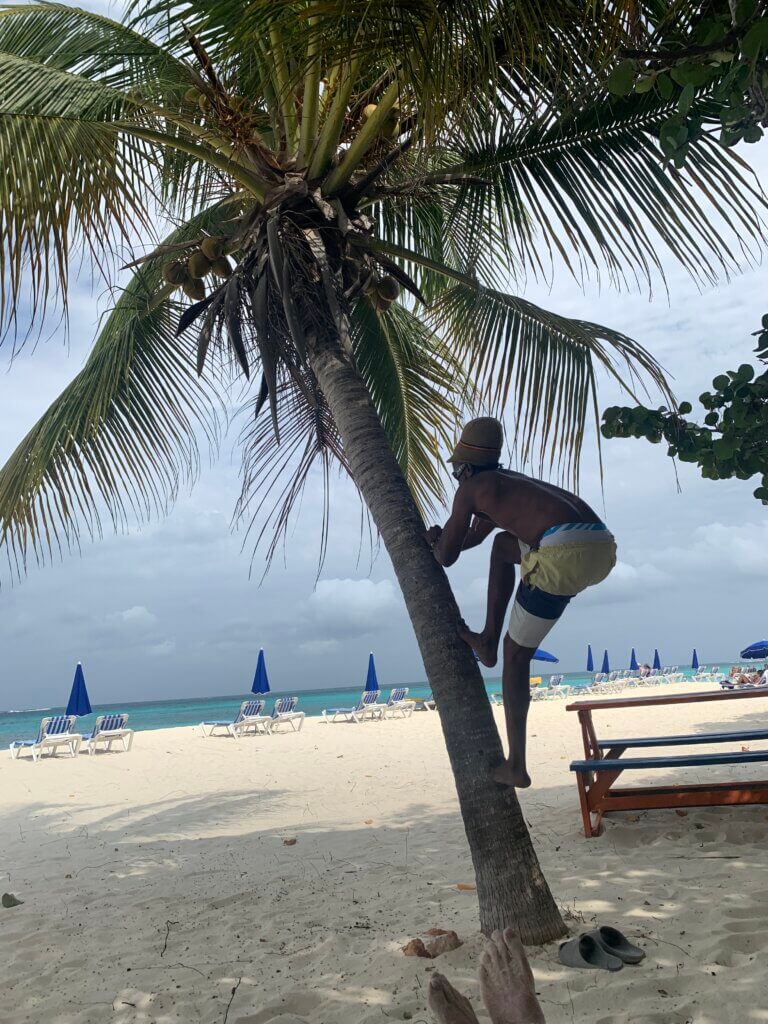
x=754 y=911
x=291 y=1009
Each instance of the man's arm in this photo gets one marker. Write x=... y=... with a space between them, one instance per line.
x=477 y=533
x=449 y=544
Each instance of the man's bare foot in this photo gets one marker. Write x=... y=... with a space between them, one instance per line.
x=506 y=981
x=508 y=775
x=487 y=652
x=448 y=1005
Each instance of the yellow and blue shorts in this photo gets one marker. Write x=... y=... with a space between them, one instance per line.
x=568 y=559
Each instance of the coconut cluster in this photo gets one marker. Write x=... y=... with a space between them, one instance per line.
x=391 y=125
x=209 y=258
x=382 y=291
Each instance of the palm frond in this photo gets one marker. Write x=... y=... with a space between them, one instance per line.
x=122 y=437
x=274 y=476
x=591 y=187
x=539 y=368
x=413 y=379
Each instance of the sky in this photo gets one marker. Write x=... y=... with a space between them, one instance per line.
x=173 y=609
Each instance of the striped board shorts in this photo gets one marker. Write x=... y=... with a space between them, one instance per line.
x=568 y=559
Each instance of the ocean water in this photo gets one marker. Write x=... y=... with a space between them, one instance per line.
x=165 y=714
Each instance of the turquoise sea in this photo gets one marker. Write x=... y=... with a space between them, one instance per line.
x=165 y=714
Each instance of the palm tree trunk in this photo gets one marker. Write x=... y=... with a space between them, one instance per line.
x=511 y=887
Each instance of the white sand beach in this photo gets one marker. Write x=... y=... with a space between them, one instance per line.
x=155 y=882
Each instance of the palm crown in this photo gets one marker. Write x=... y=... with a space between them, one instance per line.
x=378 y=174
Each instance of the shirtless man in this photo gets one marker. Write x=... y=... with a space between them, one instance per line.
x=559 y=543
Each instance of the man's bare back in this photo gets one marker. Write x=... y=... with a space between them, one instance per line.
x=523 y=506
x=509 y=501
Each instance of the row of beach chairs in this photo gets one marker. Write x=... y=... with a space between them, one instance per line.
x=370 y=708
x=251 y=719
x=613 y=682
x=58 y=732
x=552 y=689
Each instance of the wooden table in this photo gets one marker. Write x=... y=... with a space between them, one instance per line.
x=596 y=791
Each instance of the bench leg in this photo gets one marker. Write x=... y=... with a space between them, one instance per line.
x=591 y=795
x=591 y=829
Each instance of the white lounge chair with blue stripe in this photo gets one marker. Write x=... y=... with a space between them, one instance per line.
x=249 y=717
x=367 y=707
x=107 y=729
x=54 y=732
x=397 y=703
x=285 y=712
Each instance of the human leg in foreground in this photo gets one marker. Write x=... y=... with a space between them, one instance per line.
x=506 y=986
x=505 y=555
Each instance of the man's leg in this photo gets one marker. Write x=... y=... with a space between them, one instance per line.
x=533 y=615
x=505 y=554
x=516 y=689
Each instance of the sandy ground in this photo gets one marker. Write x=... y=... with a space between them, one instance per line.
x=156 y=882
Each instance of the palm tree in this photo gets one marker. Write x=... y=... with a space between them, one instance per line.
x=351 y=186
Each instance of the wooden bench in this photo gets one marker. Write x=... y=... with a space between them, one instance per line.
x=616 y=748
x=603 y=764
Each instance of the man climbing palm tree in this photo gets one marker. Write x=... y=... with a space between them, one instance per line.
x=559 y=543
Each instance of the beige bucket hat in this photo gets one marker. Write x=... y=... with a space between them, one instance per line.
x=480 y=442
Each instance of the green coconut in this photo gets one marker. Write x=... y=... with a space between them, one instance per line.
x=192 y=95
x=204 y=103
x=194 y=290
x=174 y=273
x=213 y=247
x=388 y=288
x=198 y=265
x=369 y=110
x=381 y=304
x=222 y=267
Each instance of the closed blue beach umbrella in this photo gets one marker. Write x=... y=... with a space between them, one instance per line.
x=260 y=679
x=371 y=682
x=694 y=660
x=656 y=659
x=633 y=666
x=544 y=656
x=590 y=660
x=759 y=649
x=78 y=703
x=606 y=667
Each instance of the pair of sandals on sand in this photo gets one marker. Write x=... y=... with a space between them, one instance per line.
x=602 y=949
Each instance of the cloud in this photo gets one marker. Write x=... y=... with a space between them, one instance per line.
x=722 y=552
x=138 y=616
x=319 y=646
x=160 y=650
x=342 y=607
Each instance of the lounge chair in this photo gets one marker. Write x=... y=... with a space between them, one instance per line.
x=107 y=729
x=367 y=707
x=541 y=691
x=54 y=732
x=559 y=689
x=708 y=675
x=249 y=717
x=285 y=712
x=397 y=703
x=423 y=703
